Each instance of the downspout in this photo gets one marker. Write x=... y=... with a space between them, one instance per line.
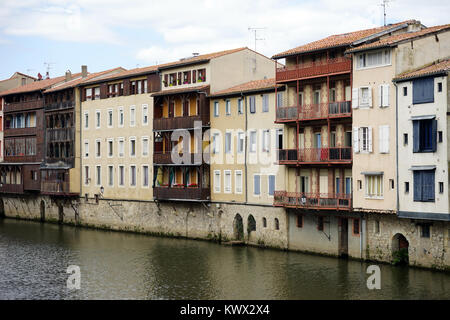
x=81 y=138
x=246 y=148
x=396 y=145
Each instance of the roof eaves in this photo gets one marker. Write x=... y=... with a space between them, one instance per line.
x=424 y=75
x=183 y=63
x=381 y=33
x=239 y=92
x=281 y=56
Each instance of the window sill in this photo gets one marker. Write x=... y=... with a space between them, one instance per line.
x=373 y=198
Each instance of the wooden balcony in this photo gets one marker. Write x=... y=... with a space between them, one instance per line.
x=179 y=122
x=60 y=135
x=24 y=105
x=15 y=132
x=166 y=158
x=306 y=112
x=60 y=105
x=335 y=66
x=11 y=188
x=181 y=193
x=319 y=201
x=56 y=188
x=315 y=155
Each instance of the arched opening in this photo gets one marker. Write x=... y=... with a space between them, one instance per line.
x=251 y=224
x=42 y=209
x=277 y=224
x=400 y=246
x=2 y=209
x=238 y=227
x=264 y=220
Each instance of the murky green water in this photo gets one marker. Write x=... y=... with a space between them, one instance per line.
x=34 y=258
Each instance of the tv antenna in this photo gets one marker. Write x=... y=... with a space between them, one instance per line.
x=255 y=30
x=384 y=5
x=48 y=66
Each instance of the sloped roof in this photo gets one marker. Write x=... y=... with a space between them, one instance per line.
x=437 y=67
x=182 y=90
x=124 y=74
x=75 y=81
x=251 y=86
x=18 y=73
x=395 y=39
x=338 y=40
x=37 y=85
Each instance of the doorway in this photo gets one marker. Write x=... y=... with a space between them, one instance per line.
x=238 y=228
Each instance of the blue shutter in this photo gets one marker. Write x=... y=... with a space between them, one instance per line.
x=423 y=90
x=428 y=185
x=257 y=184
x=417 y=186
x=416 y=136
x=434 y=135
x=271 y=185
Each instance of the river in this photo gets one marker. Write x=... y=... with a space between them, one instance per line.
x=34 y=258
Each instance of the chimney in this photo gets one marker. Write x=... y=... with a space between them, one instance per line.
x=84 y=71
x=68 y=75
x=47 y=75
x=195 y=54
x=39 y=76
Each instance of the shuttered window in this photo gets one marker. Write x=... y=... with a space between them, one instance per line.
x=423 y=90
x=424 y=135
x=257 y=184
x=265 y=103
x=252 y=104
x=238 y=181
x=271 y=185
x=216 y=181
x=383 y=139
x=227 y=181
x=383 y=95
x=424 y=185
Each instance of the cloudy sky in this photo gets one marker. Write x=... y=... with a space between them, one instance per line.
x=134 y=33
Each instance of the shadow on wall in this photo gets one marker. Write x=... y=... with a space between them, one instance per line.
x=2 y=209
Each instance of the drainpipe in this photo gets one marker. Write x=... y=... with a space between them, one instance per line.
x=396 y=145
x=361 y=236
x=246 y=148
x=81 y=137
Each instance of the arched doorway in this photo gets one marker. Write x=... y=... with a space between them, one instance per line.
x=400 y=247
x=251 y=224
x=238 y=227
x=2 y=209
x=42 y=210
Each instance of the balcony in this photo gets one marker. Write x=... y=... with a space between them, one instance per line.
x=60 y=135
x=314 y=69
x=166 y=158
x=55 y=187
x=11 y=188
x=14 y=132
x=181 y=193
x=314 y=111
x=315 y=155
x=60 y=105
x=319 y=201
x=179 y=122
x=24 y=105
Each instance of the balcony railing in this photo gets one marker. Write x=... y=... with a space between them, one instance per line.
x=315 y=155
x=179 y=122
x=314 y=111
x=60 y=105
x=11 y=188
x=326 y=201
x=166 y=158
x=12 y=132
x=53 y=187
x=24 y=105
x=181 y=193
x=60 y=135
x=314 y=69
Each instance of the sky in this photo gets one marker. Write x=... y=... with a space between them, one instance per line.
x=104 y=34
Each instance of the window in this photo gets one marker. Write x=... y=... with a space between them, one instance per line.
x=280 y=99
x=365 y=97
x=228 y=107
x=133 y=176
x=383 y=95
x=383 y=143
x=121 y=117
x=377 y=227
x=86 y=175
x=359 y=184
x=405 y=91
x=97 y=148
x=240 y=142
x=304 y=184
x=227 y=181
x=424 y=135
x=355 y=227
x=441 y=187
x=253 y=141
x=299 y=221
x=89 y=94
x=110 y=147
x=145 y=146
x=110 y=118
x=264 y=220
x=405 y=139
x=425 y=230
x=256 y=184
x=265 y=103
x=228 y=142
x=271 y=184
x=217 y=181
x=132 y=116
x=374 y=59
x=423 y=90
x=97 y=119
x=252 y=103
x=97 y=93
x=144 y=114
x=439 y=86
x=86 y=120
x=215 y=143
x=440 y=137
x=406 y=187
x=145 y=179
x=362 y=139
x=110 y=176
x=86 y=149
x=132 y=147
x=374 y=186
x=424 y=185
x=316 y=97
x=121 y=175
x=266 y=141
x=121 y=147
x=277 y=224
x=238 y=181
x=320 y=223
x=99 y=175
x=391 y=182
x=216 y=108
x=240 y=106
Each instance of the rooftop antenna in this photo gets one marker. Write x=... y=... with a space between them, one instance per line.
x=255 y=30
x=384 y=5
x=49 y=66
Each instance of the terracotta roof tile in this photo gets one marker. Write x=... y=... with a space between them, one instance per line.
x=338 y=40
x=392 y=40
x=434 y=68
x=36 y=85
x=182 y=90
x=247 y=87
x=124 y=74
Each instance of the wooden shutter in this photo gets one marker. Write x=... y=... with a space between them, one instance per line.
x=417 y=186
x=189 y=76
x=194 y=76
x=271 y=185
x=434 y=135
x=370 y=96
x=126 y=87
x=385 y=95
x=83 y=94
x=166 y=80
x=355 y=139
x=355 y=96
x=103 y=91
x=369 y=138
x=428 y=185
x=384 y=139
x=416 y=136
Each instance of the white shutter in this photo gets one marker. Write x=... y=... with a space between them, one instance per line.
x=370 y=96
x=355 y=93
x=380 y=96
x=381 y=138
x=384 y=139
x=369 y=138
x=385 y=95
x=355 y=139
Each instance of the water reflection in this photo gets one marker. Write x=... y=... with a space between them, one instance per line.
x=34 y=258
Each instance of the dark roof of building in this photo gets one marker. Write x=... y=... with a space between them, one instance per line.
x=251 y=86
x=435 y=68
x=182 y=90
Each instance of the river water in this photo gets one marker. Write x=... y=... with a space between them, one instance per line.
x=34 y=258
